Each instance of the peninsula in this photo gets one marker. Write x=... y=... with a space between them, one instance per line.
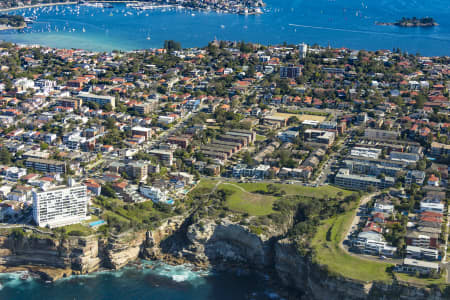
x=411 y=22
x=12 y=22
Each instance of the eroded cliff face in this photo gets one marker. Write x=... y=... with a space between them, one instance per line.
x=78 y=254
x=210 y=243
x=206 y=243
x=227 y=242
x=118 y=251
x=298 y=272
x=72 y=255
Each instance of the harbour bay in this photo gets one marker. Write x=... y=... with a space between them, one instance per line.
x=338 y=23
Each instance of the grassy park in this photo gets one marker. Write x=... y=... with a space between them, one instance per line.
x=420 y=281
x=328 y=252
x=248 y=197
x=326 y=245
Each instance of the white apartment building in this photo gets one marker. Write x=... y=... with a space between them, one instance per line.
x=15 y=173
x=422 y=253
x=99 y=99
x=154 y=194
x=60 y=206
x=366 y=152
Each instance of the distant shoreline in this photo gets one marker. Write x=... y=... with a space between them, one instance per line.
x=58 y=3
x=37 y=6
x=100 y=1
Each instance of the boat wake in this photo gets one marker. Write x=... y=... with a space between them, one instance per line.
x=364 y=31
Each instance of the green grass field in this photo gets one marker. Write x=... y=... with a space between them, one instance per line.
x=206 y=183
x=420 y=281
x=326 y=244
x=293 y=189
x=78 y=229
x=260 y=137
x=330 y=233
x=245 y=198
x=246 y=202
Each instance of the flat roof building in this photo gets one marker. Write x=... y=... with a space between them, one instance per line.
x=366 y=152
x=423 y=267
x=142 y=131
x=60 y=206
x=438 y=149
x=379 y=134
x=46 y=165
x=99 y=99
x=361 y=182
x=165 y=156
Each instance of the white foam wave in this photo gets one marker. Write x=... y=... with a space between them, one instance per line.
x=15 y=279
x=179 y=273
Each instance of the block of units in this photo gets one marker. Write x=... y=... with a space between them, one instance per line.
x=60 y=206
x=99 y=99
x=46 y=165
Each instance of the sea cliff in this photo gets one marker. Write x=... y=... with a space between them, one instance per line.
x=209 y=243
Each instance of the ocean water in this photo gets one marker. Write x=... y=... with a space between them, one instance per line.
x=163 y=282
x=339 y=23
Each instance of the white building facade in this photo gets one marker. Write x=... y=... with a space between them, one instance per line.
x=60 y=206
x=153 y=193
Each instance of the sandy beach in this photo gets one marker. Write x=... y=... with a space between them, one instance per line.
x=2 y=28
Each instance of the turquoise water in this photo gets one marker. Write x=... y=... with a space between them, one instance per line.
x=340 y=23
x=97 y=223
x=163 y=282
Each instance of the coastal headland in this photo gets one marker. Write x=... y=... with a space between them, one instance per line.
x=207 y=244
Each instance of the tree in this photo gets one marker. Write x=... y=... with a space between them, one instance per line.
x=421 y=165
x=171 y=45
x=108 y=107
x=108 y=191
x=371 y=189
x=273 y=189
x=248 y=159
x=5 y=156
x=292 y=120
x=43 y=145
x=110 y=123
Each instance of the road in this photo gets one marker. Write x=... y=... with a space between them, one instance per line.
x=326 y=168
x=355 y=222
x=444 y=259
x=108 y=158
x=357 y=217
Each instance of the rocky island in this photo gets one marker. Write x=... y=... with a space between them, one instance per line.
x=411 y=22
